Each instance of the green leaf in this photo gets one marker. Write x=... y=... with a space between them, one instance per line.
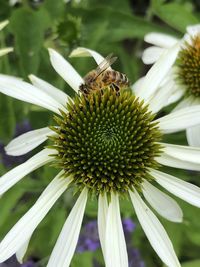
x=54 y=8
x=195 y=263
x=7 y=118
x=176 y=15
x=28 y=28
x=82 y=259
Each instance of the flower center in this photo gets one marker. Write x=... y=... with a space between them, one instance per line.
x=188 y=63
x=107 y=142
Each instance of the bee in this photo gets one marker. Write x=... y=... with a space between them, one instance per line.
x=102 y=77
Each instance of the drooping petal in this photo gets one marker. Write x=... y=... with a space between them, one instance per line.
x=65 y=70
x=5 y=51
x=28 y=141
x=85 y=52
x=154 y=231
x=173 y=162
x=14 y=87
x=102 y=214
x=162 y=203
x=193 y=136
x=182 y=189
x=157 y=73
x=180 y=119
x=68 y=238
x=116 y=253
x=160 y=39
x=57 y=94
x=24 y=228
x=185 y=153
x=15 y=175
x=152 y=54
x=3 y=24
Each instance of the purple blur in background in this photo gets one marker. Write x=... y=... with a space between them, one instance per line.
x=89 y=241
x=12 y=262
x=10 y=161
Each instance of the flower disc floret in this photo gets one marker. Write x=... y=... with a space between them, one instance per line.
x=188 y=63
x=107 y=142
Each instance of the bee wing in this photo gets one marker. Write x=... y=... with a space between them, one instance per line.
x=106 y=63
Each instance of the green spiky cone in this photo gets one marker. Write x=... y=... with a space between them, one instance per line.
x=188 y=63
x=107 y=142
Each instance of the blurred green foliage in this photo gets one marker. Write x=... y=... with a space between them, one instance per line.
x=106 y=26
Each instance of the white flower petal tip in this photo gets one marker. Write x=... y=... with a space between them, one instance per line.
x=28 y=141
x=14 y=87
x=65 y=70
x=184 y=190
x=162 y=203
x=6 y=50
x=3 y=24
x=85 y=52
x=57 y=94
x=152 y=54
x=68 y=238
x=102 y=216
x=15 y=175
x=21 y=232
x=160 y=39
x=193 y=136
x=180 y=119
x=154 y=231
x=115 y=245
x=20 y=253
x=157 y=72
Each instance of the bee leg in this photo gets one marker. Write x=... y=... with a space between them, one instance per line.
x=116 y=88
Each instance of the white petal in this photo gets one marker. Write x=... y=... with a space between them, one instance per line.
x=158 y=101
x=5 y=51
x=157 y=73
x=25 y=227
x=116 y=253
x=154 y=231
x=137 y=85
x=68 y=238
x=193 y=30
x=28 y=141
x=102 y=214
x=65 y=70
x=16 y=174
x=185 y=153
x=3 y=24
x=85 y=52
x=193 y=136
x=187 y=102
x=20 y=253
x=173 y=162
x=160 y=39
x=180 y=120
x=175 y=96
x=24 y=91
x=57 y=94
x=152 y=54
x=184 y=190
x=162 y=203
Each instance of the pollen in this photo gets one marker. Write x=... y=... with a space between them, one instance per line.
x=107 y=142
x=188 y=63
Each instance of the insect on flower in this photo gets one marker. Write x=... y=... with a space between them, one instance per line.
x=102 y=77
